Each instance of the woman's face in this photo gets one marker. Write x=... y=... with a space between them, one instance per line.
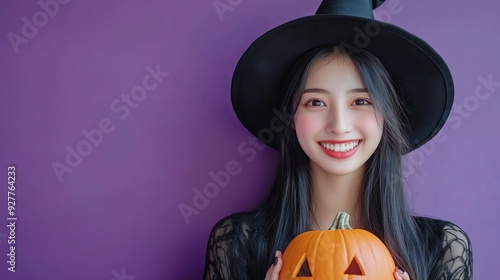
x=335 y=122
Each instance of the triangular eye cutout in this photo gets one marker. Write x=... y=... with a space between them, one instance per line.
x=354 y=268
x=304 y=269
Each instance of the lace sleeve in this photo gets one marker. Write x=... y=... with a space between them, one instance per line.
x=227 y=252
x=456 y=255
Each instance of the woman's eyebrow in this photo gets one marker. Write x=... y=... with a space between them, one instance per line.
x=321 y=90
x=315 y=90
x=358 y=90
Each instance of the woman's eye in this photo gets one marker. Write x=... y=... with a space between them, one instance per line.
x=362 y=102
x=315 y=103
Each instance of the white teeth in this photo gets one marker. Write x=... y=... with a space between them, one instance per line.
x=343 y=147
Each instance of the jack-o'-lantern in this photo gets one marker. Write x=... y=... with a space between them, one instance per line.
x=338 y=253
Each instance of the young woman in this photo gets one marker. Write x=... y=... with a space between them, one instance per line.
x=349 y=118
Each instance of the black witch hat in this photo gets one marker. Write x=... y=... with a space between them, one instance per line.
x=424 y=81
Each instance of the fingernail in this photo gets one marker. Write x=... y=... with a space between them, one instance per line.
x=401 y=270
x=275 y=261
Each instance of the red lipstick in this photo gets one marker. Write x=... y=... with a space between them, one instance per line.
x=340 y=155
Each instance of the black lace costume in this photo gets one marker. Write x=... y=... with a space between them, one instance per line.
x=230 y=249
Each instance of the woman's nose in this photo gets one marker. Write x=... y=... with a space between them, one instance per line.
x=339 y=121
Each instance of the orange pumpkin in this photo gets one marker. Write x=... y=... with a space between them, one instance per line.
x=338 y=253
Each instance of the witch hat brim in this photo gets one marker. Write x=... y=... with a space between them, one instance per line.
x=423 y=78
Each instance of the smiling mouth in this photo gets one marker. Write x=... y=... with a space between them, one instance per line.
x=340 y=147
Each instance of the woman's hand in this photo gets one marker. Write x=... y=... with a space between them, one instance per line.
x=400 y=274
x=274 y=271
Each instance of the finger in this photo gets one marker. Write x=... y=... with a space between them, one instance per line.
x=405 y=276
x=269 y=271
x=274 y=271
x=401 y=274
x=279 y=261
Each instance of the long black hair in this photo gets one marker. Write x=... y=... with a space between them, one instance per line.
x=285 y=212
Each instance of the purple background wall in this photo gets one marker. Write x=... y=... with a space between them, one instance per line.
x=114 y=213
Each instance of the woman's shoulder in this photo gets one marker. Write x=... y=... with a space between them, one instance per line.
x=234 y=224
x=449 y=248
x=233 y=233
x=229 y=251
x=445 y=231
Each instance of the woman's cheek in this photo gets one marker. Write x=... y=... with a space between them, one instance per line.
x=371 y=125
x=305 y=125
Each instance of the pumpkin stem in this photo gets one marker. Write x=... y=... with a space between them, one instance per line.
x=341 y=221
